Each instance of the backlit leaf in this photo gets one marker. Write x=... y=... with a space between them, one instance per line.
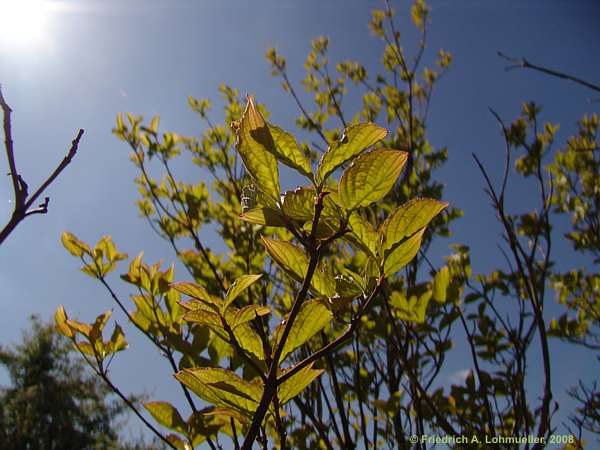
x=356 y=138
x=409 y=218
x=60 y=318
x=263 y=216
x=117 y=340
x=249 y=340
x=294 y=262
x=194 y=290
x=297 y=383
x=239 y=286
x=288 y=256
x=299 y=204
x=412 y=309
x=74 y=245
x=253 y=138
x=312 y=318
x=402 y=254
x=286 y=150
x=167 y=415
x=222 y=388
x=364 y=233
x=441 y=281
x=248 y=313
x=370 y=177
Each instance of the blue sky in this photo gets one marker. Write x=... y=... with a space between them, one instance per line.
x=93 y=59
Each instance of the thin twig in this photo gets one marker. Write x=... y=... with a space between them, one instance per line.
x=522 y=63
x=23 y=202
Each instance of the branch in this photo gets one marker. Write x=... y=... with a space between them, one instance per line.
x=522 y=63
x=23 y=202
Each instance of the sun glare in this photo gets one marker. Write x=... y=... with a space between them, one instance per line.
x=22 y=22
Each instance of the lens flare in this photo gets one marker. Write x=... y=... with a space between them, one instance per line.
x=22 y=22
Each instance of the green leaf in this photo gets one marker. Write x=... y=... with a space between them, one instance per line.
x=117 y=340
x=249 y=340
x=80 y=327
x=413 y=309
x=263 y=216
x=370 y=177
x=312 y=318
x=239 y=286
x=363 y=233
x=441 y=281
x=402 y=254
x=202 y=423
x=60 y=318
x=222 y=388
x=299 y=204
x=207 y=318
x=355 y=139
x=253 y=139
x=195 y=291
x=288 y=256
x=167 y=415
x=226 y=414
x=346 y=286
x=74 y=245
x=286 y=150
x=99 y=323
x=294 y=262
x=179 y=443
x=409 y=218
x=297 y=383
x=86 y=349
x=248 y=313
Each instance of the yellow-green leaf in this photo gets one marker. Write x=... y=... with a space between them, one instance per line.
x=409 y=218
x=364 y=233
x=288 y=256
x=86 y=349
x=194 y=290
x=312 y=318
x=286 y=150
x=179 y=443
x=80 y=327
x=355 y=139
x=207 y=318
x=99 y=323
x=253 y=139
x=412 y=309
x=441 y=281
x=167 y=415
x=222 y=388
x=263 y=216
x=117 y=340
x=74 y=245
x=299 y=204
x=370 y=177
x=297 y=383
x=249 y=340
x=239 y=286
x=248 y=313
x=294 y=262
x=402 y=254
x=60 y=318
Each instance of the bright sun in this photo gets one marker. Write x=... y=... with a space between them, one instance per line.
x=22 y=22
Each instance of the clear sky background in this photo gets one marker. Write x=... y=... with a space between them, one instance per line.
x=88 y=60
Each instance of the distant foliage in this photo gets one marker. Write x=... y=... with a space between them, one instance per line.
x=53 y=401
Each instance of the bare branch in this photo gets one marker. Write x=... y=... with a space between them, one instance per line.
x=522 y=63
